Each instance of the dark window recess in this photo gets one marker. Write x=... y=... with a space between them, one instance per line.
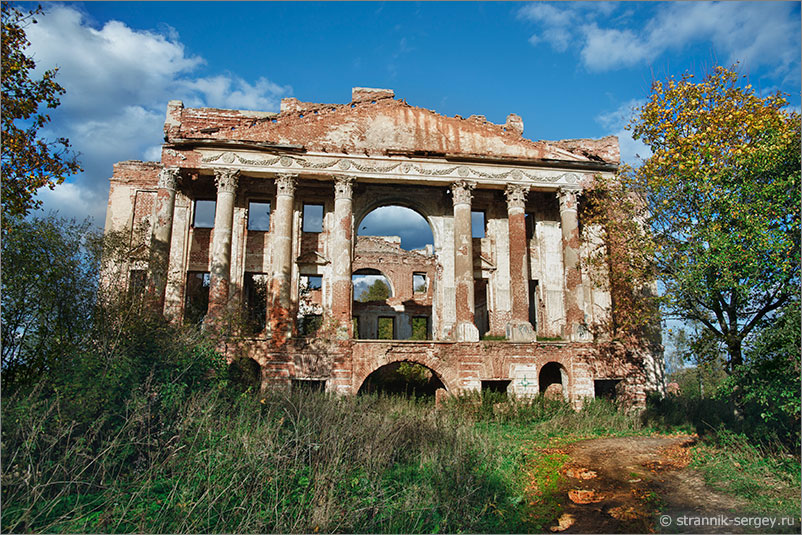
x=137 y=278
x=477 y=224
x=533 y=304
x=309 y=324
x=196 y=302
x=259 y=216
x=530 y=225
x=605 y=388
x=308 y=385
x=255 y=301
x=386 y=328
x=481 y=317
x=496 y=386
x=355 y=326
x=313 y=218
x=246 y=373
x=420 y=328
x=420 y=283
x=204 y=214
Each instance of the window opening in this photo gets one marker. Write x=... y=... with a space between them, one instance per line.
x=259 y=216
x=204 y=213
x=420 y=283
x=533 y=304
x=530 y=225
x=313 y=218
x=308 y=385
x=196 y=302
x=496 y=386
x=309 y=324
x=477 y=224
x=255 y=294
x=605 y=388
x=355 y=326
x=420 y=328
x=386 y=328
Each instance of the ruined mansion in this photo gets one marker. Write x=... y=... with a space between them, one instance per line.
x=250 y=221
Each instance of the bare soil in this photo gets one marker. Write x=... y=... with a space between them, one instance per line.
x=643 y=485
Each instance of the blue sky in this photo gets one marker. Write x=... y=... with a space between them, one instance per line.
x=570 y=70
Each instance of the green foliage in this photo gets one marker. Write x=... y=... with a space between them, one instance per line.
x=378 y=291
x=767 y=387
x=49 y=284
x=723 y=190
x=29 y=162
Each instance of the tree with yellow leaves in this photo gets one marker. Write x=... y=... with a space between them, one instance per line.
x=723 y=191
x=29 y=162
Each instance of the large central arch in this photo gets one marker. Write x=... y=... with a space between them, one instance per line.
x=447 y=376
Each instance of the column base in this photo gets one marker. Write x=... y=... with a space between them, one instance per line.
x=520 y=332
x=467 y=332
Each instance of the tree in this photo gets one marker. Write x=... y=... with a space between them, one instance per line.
x=49 y=284
x=378 y=291
x=723 y=191
x=29 y=162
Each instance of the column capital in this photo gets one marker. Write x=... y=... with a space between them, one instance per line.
x=568 y=199
x=226 y=180
x=516 y=195
x=344 y=186
x=168 y=178
x=461 y=191
x=285 y=184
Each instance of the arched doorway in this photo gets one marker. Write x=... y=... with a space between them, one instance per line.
x=245 y=373
x=553 y=381
x=405 y=378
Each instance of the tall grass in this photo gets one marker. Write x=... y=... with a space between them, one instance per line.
x=281 y=463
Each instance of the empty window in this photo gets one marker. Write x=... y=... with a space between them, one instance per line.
x=311 y=282
x=255 y=301
x=196 y=302
x=309 y=324
x=259 y=216
x=386 y=328
x=478 y=224
x=420 y=328
x=606 y=388
x=533 y=303
x=313 y=218
x=530 y=225
x=496 y=386
x=204 y=214
x=419 y=283
x=308 y=385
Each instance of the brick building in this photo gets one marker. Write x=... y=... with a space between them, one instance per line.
x=252 y=215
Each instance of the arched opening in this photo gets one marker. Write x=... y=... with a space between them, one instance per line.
x=245 y=373
x=393 y=278
x=404 y=378
x=395 y=221
x=553 y=381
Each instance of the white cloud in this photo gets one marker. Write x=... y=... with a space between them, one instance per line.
x=118 y=80
x=73 y=202
x=615 y=121
x=757 y=34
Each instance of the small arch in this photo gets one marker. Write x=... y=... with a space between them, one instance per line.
x=553 y=373
x=385 y=201
x=403 y=377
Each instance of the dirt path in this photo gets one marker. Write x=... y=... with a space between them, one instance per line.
x=639 y=485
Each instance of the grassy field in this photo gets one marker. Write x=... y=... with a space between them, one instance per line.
x=306 y=462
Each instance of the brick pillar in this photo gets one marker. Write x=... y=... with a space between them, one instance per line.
x=466 y=330
x=574 y=294
x=341 y=260
x=280 y=311
x=226 y=181
x=518 y=329
x=160 y=238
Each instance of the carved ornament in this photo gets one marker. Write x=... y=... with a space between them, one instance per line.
x=168 y=178
x=344 y=186
x=226 y=180
x=285 y=184
x=568 y=199
x=516 y=195
x=461 y=191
